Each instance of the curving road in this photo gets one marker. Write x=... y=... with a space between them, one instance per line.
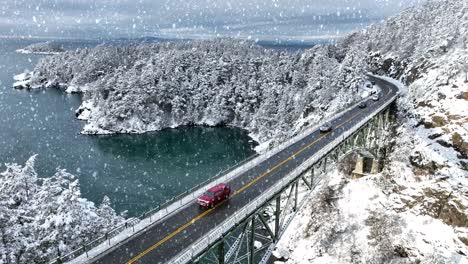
x=166 y=239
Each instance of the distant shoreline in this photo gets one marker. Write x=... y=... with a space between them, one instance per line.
x=25 y=51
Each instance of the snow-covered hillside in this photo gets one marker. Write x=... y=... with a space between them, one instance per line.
x=416 y=210
x=365 y=221
x=272 y=94
x=41 y=218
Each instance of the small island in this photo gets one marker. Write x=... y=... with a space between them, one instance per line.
x=45 y=48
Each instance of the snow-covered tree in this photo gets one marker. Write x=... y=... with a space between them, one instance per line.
x=139 y=88
x=42 y=218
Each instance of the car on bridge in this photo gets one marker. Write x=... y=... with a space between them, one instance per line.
x=214 y=195
x=326 y=127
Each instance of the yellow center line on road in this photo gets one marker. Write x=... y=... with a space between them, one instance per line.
x=243 y=188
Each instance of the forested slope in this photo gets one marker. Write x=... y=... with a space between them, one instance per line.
x=140 y=88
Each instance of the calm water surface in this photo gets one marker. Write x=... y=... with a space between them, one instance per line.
x=136 y=171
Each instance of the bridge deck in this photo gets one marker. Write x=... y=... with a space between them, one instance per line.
x=166 y=239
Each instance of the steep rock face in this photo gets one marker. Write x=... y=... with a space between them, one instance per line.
x=135 y=89
x=439 y=199
x=427 y=48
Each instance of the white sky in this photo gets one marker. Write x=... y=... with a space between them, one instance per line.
x=262 y=19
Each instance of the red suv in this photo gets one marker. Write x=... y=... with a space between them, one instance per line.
x=214 y=195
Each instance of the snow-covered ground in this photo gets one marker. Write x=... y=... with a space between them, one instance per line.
x=358 y=222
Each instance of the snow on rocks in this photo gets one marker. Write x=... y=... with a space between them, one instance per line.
x=364 y=225
x=22 y=76
x=23 y=80
x=281 y=255
x=84 y=111
x=92 y=129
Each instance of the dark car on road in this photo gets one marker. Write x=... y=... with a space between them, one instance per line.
x=362 y=105
x=326 y=127
x=214 y=195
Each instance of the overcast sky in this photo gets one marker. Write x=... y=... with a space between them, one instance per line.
x=256 y=19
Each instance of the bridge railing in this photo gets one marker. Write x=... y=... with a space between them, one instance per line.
x=217 y=232
x=133 y=221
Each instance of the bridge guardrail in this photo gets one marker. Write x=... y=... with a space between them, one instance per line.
x=255 y=159
x=194 y=248
x=177 y=203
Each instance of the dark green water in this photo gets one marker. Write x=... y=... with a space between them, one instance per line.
x=136 y=171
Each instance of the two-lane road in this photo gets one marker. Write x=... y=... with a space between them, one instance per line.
x=167 y=238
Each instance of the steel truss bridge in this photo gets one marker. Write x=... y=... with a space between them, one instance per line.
x=268 y=191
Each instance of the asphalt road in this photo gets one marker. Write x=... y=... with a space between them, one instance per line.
x=166 y=239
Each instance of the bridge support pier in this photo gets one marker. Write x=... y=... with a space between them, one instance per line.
x=359 y=169
x=375 y=166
